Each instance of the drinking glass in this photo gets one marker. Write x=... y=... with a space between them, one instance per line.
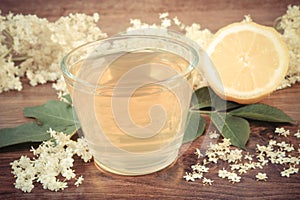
x=132 y=94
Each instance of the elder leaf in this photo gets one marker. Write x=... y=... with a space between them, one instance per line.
x=203 y=96
x=53 y=114
x=194 y=128
x=261 y=112
x=234 y=128
x=207 y=98
x=28 y=132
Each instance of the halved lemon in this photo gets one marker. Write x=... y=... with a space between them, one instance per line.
x=251 y=60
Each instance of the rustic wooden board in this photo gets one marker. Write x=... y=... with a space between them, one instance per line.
x=168 y=183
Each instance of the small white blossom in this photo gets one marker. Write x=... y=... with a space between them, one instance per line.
x=297 y=134
x=279 y=130
x=247 y=18
x=163 y=15
x=67 y=162
x=294 y=160
x=176 y=21
x=200 y=168
x=286 y=133
x=24 y=184
x=189 y=177
x=198 y=153
x=261 y=176
x=291 y=170
x=214 y=135
x=234 y=156
x=285 y=173
x=212 y=158
x=197 y=175
x=226 y=143
x=165 y=23
x=233 y=177
x=235 y=166
x=207 y=181
x=248 y=157
x=272 y=142
x=79 y=181
x=243 y=169
x=68 y=173
x=223 y=173
x=250 y=165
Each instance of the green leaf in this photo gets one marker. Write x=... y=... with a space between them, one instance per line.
x=68 y=98
x=54 y=114
x=261 y=112
x=203 y=96
x=195 y=127
x=234 y=128
x=28 y=132
x=207 y=98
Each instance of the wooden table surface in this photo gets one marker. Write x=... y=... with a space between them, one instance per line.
x=168 y=183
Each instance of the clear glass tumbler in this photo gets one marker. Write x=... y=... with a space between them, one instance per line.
x=131 y=94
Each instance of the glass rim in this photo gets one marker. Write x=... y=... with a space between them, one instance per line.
x=184 y=41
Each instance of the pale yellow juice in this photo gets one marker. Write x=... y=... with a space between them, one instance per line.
x=118 y=145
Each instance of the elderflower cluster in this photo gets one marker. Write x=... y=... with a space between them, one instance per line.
x=238 y=163
x=52 y=159
x=290 y=23
x=40 y=46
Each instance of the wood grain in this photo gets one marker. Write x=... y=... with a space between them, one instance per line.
x=168 y=183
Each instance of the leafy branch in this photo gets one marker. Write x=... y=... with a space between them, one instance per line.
x=229 y=118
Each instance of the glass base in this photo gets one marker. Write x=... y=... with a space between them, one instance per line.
x=105 y=168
